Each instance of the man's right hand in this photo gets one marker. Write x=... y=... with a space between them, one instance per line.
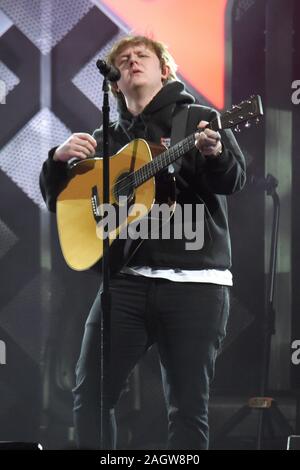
x=78 y=145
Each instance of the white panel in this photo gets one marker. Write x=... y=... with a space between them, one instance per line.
x=45 y=22
x=5 y=23
x=89 y=80
x=8 y=82
x=21 y=159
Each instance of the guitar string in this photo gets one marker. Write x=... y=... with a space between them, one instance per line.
x=146 y=170
x=178 y=146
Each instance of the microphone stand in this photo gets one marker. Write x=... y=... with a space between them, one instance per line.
x=269 y=412
x=270 y=408
x=105 y=326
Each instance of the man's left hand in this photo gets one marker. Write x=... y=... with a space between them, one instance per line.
x=208 y=141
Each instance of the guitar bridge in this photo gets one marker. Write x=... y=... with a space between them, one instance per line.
x=95 y=204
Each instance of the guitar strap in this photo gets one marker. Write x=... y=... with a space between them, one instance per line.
x=178 y=132
x=179 y=123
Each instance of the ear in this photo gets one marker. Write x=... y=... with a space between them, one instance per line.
x=165 y=71
x=114 y=87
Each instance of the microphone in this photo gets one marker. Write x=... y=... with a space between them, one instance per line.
x=108 y=71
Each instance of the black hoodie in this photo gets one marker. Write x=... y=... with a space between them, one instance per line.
x=198 y=179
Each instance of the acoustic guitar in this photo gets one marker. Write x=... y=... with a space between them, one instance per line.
x=135 y=185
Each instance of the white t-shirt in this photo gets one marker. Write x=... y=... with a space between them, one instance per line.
x=213 y=276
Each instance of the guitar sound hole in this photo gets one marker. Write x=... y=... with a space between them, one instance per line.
x=124 y=187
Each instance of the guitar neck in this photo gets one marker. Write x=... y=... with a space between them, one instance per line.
x=242 y=113
x=169 y=156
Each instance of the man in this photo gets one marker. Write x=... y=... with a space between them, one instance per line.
x=166 y=294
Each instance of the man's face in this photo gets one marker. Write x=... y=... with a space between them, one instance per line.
x=140 y=68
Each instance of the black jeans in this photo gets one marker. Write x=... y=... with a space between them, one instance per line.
x=187 y=321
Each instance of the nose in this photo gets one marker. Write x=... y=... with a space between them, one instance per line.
x=133 y=60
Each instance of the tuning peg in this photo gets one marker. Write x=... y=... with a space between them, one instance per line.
x=237 y=129
x=247 y=124
x=257 y=120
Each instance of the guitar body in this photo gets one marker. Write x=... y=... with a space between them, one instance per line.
x=80 y=230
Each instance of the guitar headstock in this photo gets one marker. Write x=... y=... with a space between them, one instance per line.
x=244 y=112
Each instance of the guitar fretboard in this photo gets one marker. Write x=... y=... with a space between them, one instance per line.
x=163 y=160
x=245 y=111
